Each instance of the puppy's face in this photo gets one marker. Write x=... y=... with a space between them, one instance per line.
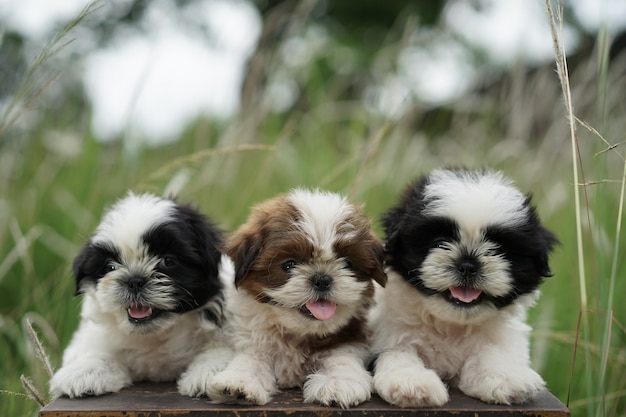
x=313 y=256
x=149 y=260
x=469 y=241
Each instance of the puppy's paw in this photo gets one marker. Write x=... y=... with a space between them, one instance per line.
x=85 y=378
x=341 y=390
x=238 y=388
x=194 y=382
x=513 y=386
x=411 y=387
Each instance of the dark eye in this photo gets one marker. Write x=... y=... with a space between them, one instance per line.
x=167 y=262
x=109 y=267
x=493 y=252
x=288 y=265
x=441 y=244
x=349 y=264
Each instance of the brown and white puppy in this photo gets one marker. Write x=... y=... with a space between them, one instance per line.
x=305 y=265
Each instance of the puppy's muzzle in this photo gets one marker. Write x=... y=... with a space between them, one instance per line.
x=136 y=283
x=321 y=282
x=467 y=269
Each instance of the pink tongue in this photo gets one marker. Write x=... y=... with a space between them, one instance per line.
x=465 y=294
x=139 y=311
x=322 y=310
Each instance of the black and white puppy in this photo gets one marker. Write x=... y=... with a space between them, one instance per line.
x=305 y=266
x=466 y=253
x=152 y=302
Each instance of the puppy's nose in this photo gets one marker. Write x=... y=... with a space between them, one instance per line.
x=321 y=282
x=467 y=269
x=136 y=283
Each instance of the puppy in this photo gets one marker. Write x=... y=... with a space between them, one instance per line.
x=466 y=254
x=152 y=302
x=305 y=265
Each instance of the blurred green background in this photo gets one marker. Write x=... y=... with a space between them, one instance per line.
x=331 y=96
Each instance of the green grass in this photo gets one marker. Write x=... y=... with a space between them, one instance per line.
x=51 y=200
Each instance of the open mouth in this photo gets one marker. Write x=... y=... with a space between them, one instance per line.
x=319 y=309
x=139 y=313
x=463 y=296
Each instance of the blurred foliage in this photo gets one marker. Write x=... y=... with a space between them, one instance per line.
x=56 y=178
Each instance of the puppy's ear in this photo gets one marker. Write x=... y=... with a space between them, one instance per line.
x=410 y=203
x=88 y=266
x=378 y=272
x=243 y=247
x=391 y=222
x=546 y=242
x=208 y=237
x=79 y=267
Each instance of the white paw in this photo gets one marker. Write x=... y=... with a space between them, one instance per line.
x=82 y=378
x=342 y=390
x=511 y=386
x=195 y=381
x=411 y=387
x=232 y=387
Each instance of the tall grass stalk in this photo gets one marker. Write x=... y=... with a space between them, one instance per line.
x=563 y=74
x=50 y=200
x=604 y=309
x=30 y=89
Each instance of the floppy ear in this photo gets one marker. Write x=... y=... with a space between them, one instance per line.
x=89 y=263
x=546 y=240
x=378 y=272
x=410 y=203
x=79 y=267
x=243 y=248
x=208 y=237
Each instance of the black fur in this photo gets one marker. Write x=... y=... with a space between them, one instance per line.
x=190 y=242
x=411 y=235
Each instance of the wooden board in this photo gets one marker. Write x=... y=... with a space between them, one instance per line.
x=162 y=400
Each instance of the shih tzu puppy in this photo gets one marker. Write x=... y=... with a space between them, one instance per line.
x=466 y=253
x=305 y=266
x=153 y=301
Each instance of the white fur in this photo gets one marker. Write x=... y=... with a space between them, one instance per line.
x=126 y=221
x=271 y=339
x=321 y=213
x=104 y=358
x=418 y=351
x=270 y=357
x=107 y=351
x=474 y=199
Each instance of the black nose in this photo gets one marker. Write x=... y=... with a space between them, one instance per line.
x=321 y=282
x=467 y=269
x=136 y=283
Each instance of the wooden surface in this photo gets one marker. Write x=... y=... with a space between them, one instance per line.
x=162 y=400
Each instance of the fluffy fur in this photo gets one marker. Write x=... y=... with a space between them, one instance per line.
x=466 y=254
x=305 y=263
x=152 y=302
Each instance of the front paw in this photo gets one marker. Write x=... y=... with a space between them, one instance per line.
x=411 y=387
x=232 y=387
x=85 y=378
x=341 y=390
x=195 y=381
x=514 y=386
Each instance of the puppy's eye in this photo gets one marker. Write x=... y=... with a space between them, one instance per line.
x=110 y=266
x=288 y=265
x=492 y=252
x=349 y=264
x=441 y=244
x=167 y=262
